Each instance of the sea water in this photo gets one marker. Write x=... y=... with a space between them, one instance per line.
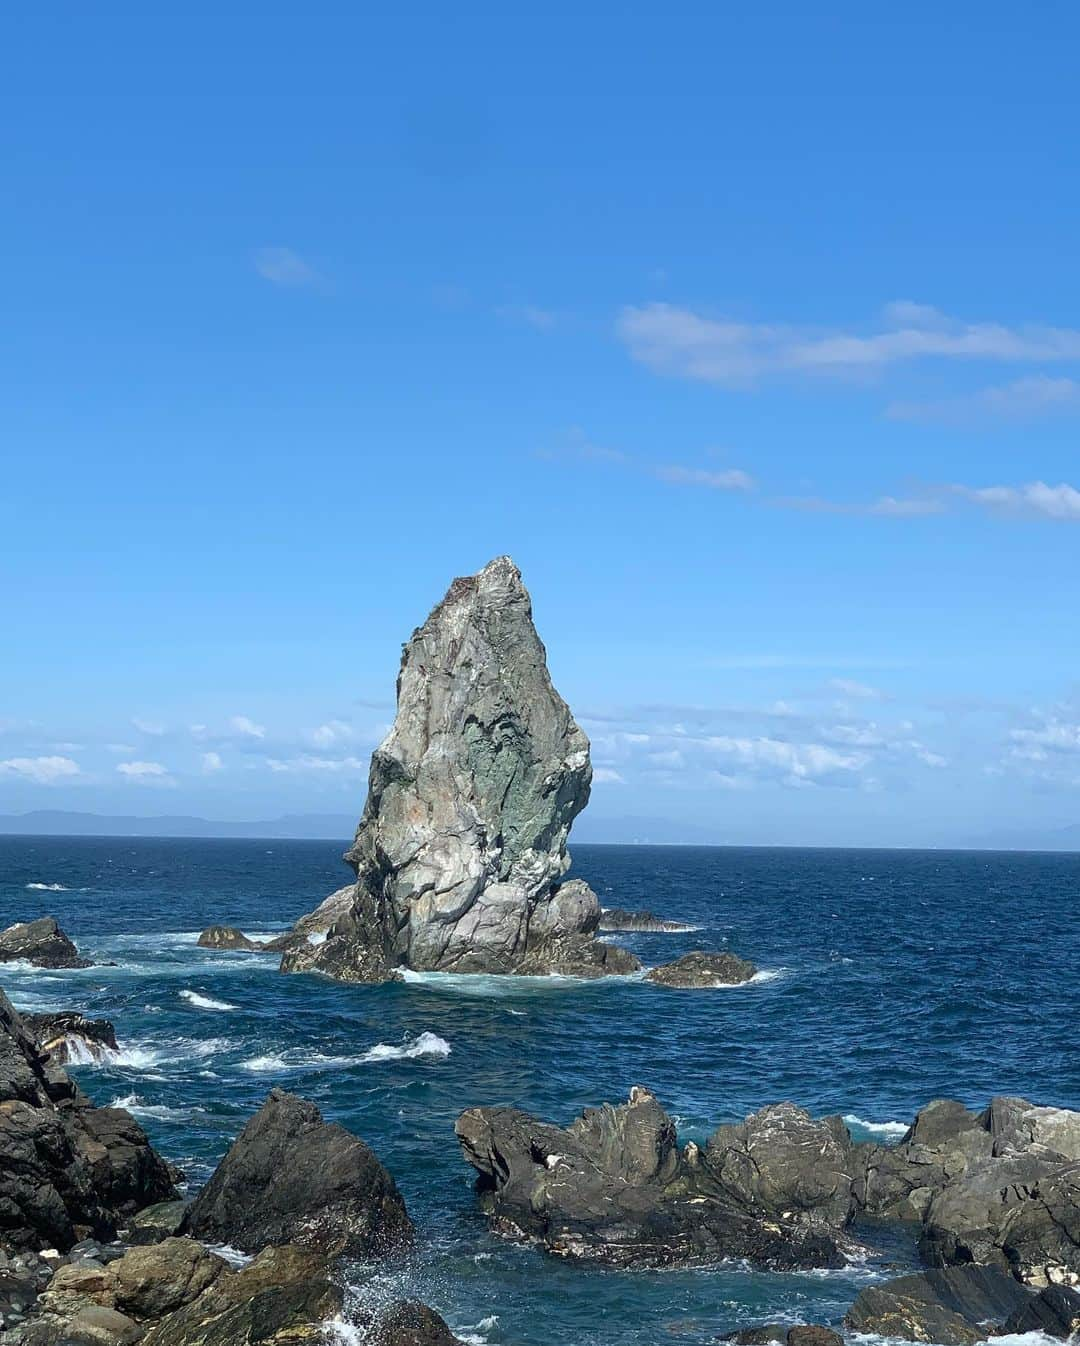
x=887 y=978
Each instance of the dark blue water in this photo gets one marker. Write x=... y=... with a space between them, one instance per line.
x=888 y=978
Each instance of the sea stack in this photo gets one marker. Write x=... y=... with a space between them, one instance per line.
x=460 y=855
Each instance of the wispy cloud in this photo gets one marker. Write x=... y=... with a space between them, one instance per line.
x=1022 y=399
x=543 y=319
x=884 y=506
x=1035 y=498
x=312 y=762
x=282 y=266
x=577 y=445
x=246 y=727
x=144 y=773
x=41 y=770
x=211 y=762
x=731 y=479
x=687 y=344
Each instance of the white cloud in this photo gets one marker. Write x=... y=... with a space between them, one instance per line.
x=143 y=772
x=542 y=319
x=731 y=479
x=606 y=775
x=1052 y=502
x=860 y=691
x=41 y=770
x=681 y=342
x=311 y=762
x=1038 y=395
x=333 y=731
x=282 y=266
x=240 y=724
x=211 y=761
x=793 y=762
x=154 y=728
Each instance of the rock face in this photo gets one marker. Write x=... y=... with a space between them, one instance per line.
x=615 y=1186
x=290 y=1177
x=230 y=938
x=1000 y=1187
x=616 y=918
x=67 y=1169
x=40 y=942
x=956 y=1307
x=699 y=971
x=71 y=1038
x=461 y=851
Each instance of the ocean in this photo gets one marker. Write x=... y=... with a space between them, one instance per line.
x=887 y=978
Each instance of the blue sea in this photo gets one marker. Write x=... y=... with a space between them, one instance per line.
x=887 y=978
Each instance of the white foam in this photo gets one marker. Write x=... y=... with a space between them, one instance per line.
x=204 y=1001
x=424 y=1045
x=427 y=1044
x=495 y=984
x=48 y=887
x=877 y=1128
x=261 y=1065
x=135 y=1105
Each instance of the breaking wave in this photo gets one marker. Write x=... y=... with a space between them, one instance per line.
x=49 y=887
x=876 y=1128
x=134 y=1104
x=205 y=1001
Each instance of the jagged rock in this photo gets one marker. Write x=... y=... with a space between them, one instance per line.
x=811 y=1334
x=461 y=850
x=71 y=1038
x=616 y=918
x=155 y=1223
x=66 y=1167
x=955 y=1307
x=40 y=942
x=764 y=1335
x=230 y=938
x=1055 y=1311
x=782 y=1162
x=1000 y=1187
x=800 y=1335
x=408 y=1323
x=145 y=1283
x=699 y=970
x=615 y=1186
x=290 y=1177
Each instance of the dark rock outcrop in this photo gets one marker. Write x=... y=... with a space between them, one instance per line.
x=643 y=922
x=72 y=1038
x=156 y=1223
x=290 y=1177
x=460 y=855
x=699 y=971
x=228 y=937
x=1000 y=1187
x=1055 y=1311
x=40 y=942
x=808 y=1334
x=615 y=1185
x=954 y=1307
x=409 y=1323
x=67 y=1169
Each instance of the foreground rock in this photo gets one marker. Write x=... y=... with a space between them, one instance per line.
x=1054 y=1311
x=290 y=1177
x=40 y=942
x=71 y=1038
x=643 y=922
x=954 y=1307
x=615 y=1186
x=701 y=971
x=809 y=1334
x=67 y=1169
x=460 y=855
x=409 y=1323
x=1000 y=1187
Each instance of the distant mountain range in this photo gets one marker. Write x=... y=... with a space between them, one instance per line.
x=628 y=830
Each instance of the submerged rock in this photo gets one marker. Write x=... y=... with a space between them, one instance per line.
x=40 y=942
x=290 y=1177
x=71 y=1038
x=699 y=971
x=616 y=918
x=409 y=1323
x=460 y=855
x=67 y=1169
x=955 y=1307
x=615 y=1185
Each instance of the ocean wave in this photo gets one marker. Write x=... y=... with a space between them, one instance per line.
x=877 y=1128
x=264 y=1065
x=427 y=1044
x=50 y=888
x=497 y=984
x=424 y=1045
x=138 y=1108
x=205 y=1001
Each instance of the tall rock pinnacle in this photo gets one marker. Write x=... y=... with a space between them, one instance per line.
x=461 y=850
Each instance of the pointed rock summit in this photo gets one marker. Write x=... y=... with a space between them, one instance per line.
x=461 y=850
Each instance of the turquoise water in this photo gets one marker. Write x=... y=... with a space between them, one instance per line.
x=888 y=978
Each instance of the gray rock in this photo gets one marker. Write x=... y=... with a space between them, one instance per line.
x=67 y=1169
x=702 y=971
x=616 y=1187
x=408 y=1323
x=1055 y=1311
x=156 y=1222
x=70 y=1037
x=40 y=942
x=643 y=922
x=461 y=852
x=290 y=1177
x=955 y=1307
x=230 y=938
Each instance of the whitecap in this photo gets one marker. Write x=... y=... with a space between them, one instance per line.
x=877 y=1128
x=497 y=984
x=427 y=1044
x=260 y=1065
x=48 y=887
x=204 y=1001
x=134 y=1104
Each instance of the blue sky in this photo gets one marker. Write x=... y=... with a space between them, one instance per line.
x=752 y=333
